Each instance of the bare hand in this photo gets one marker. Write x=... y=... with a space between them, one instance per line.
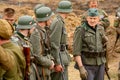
x=58 y=68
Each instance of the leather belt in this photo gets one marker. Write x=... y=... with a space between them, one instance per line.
x=93 y=54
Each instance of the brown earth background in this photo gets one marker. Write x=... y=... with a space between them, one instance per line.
x=24 y=7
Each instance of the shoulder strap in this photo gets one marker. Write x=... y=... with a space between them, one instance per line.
x=58 y=17
x=41 y=42
x=83 y=31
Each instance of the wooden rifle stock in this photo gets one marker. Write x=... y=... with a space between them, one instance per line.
x=26 y=51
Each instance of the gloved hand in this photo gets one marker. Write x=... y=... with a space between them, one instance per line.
x=83 y=72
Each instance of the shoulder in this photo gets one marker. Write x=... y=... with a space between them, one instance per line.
x=56 y=20
x=82 y=27
x=56 y=23
x=60 y=18
x=35 y=35
x=103 y=12
x=100 y=27
x=78 y=29
x=35 y=32
x=14 y=38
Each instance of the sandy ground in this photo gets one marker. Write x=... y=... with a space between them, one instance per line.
x=113 y=65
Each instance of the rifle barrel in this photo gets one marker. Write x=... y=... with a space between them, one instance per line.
x=107 y=74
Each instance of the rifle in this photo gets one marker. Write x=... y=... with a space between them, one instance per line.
x=63 y=75
x=106 y=71
x=106 y=64
x=26 y=51
x=117 y=38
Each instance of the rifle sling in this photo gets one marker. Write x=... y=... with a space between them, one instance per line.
x=45 y=43
x=42 y=44
x=36 y=70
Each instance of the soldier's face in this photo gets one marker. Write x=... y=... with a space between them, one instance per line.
x=93 y=4
x=31 y=30
x=42 y=24
x=49 y=22
x=93 y=21
x=64 y=15
x=25 y=32
x=10 y=19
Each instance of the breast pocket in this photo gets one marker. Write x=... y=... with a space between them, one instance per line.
x=89 y=38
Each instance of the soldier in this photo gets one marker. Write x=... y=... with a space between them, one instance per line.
x=117 y=25
x=103 y=15
x=21 y=38
x=58 y=37
x=9 y=68
x=9 y=15
x=88 y=48
x=41 y=43
x=37 y=7
x=117 y=22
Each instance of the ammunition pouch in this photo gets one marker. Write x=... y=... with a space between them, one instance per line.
x=62 y=47
x=46 y=51
x=67 y=47
x=93 y=54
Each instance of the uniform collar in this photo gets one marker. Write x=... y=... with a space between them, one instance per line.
x=94 y=29
x=22 y=36
x=88 y=28
x=60 y=18
x=40 y=28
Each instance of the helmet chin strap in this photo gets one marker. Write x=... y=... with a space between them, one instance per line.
x=46 y=25
x=28 y=33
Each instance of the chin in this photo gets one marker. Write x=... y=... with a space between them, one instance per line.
x=92 y=25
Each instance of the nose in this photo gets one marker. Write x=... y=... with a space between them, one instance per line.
x=92 y=20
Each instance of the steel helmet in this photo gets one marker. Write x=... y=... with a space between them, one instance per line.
x=64 y=6
x=25 y=22
x=43 y=14
x=38 y=6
